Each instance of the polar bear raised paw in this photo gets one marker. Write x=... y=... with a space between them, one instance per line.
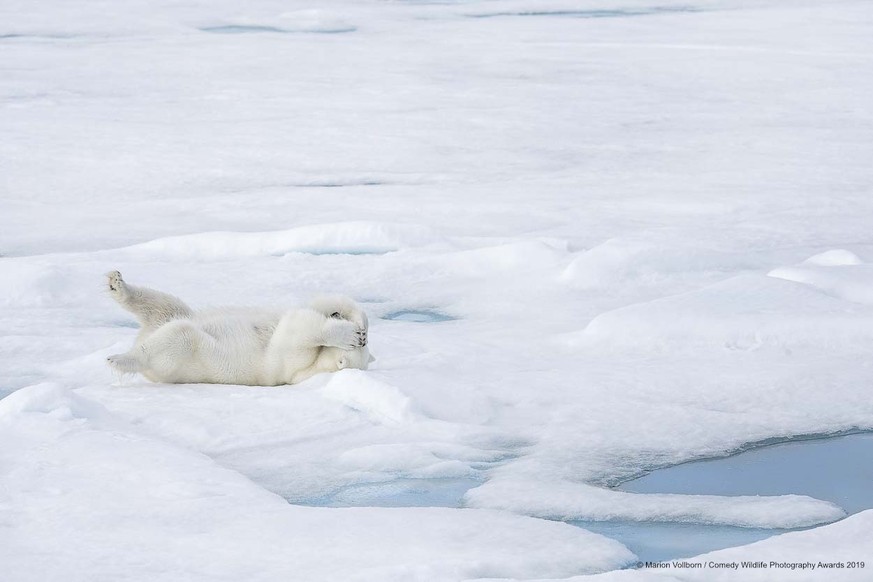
x=343 y=334
x=117 y=286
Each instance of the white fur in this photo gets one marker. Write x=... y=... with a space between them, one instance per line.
x=258 y=347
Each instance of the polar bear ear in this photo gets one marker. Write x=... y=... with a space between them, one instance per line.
x=372 y=359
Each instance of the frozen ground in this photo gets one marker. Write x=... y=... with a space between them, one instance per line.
x=594 y=238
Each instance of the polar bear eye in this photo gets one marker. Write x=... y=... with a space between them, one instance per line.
x=336 y=315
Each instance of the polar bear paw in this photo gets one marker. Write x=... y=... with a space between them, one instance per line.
x=124 y=363
x=117 y=286
x=344 y=334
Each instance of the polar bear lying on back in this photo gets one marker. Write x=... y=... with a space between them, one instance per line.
x=258 y=347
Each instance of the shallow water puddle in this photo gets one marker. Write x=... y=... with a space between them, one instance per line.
x=356 y=252
x=836 y=469
x=242 y=29
x=328 y=251
x=8 y=36
x=259 y=28
x=403 y=493
x=603 y=13
x=418 y=316
x=659 y=542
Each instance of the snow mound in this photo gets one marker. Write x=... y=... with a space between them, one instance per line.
x=53 y=400
x=617 y=261
x=336 y=238
x=509 y=258
x=834 y=258
x=315 y=20
x=848 y=280
x=378 y=401
x=575 y=501
x=28 y=284
x=745 y=312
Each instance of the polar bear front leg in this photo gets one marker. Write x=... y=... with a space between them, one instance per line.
x=341 y=307
x=343 y=334
x=306 y=329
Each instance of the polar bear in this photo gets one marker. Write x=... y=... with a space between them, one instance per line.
x=256 y=347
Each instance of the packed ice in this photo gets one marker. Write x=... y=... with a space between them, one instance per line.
x=593 y=239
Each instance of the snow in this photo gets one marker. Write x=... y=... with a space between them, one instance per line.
x=640 y=233
x=347 y=238
x=569 y=501
x=174 y=514
x=745 y=312
x=381 y=403
x=833 y=273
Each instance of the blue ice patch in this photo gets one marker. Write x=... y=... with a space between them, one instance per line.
x=418 y=316
x=838 y=469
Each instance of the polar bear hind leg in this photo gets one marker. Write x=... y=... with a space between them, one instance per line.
x=129 y=363
x=152 y=308
x=175 y=352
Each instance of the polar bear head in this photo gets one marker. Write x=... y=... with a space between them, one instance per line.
x=341 y=307
x=358 y=358
x=332 y=359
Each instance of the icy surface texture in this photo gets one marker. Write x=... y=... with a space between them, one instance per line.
x=649 y=221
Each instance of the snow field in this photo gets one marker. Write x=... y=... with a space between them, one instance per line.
x=648 y=223
x=105 y=498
